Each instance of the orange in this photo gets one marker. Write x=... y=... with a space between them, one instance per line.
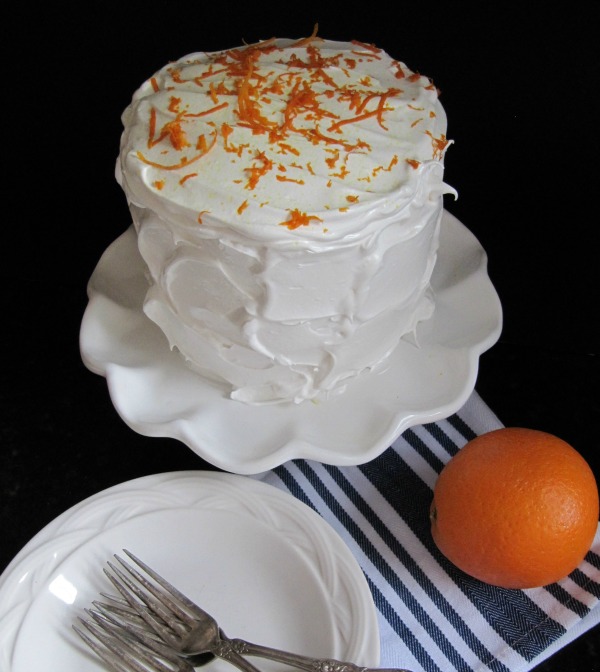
x=516 y=508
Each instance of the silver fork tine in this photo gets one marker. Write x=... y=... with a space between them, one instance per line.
x=124 y=619
x=164 y=608
x=180 y=597
x=126 y=654
x=141 y=639
x=120 y=609
x=150 y=602
x=107 y=656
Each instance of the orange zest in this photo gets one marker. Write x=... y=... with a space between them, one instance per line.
x=212 y=110
x=282 y=178
x=439 y=144
x=257 y=170
x=185 y=178
x=242 y=95
x=298 y=219
x=185 y=161
x=378 y=112
x=307 y=40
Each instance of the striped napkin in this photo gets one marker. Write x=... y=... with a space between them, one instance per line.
x=432 y=616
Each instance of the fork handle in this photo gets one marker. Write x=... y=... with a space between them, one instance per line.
x=307 y=663
x=226 y=651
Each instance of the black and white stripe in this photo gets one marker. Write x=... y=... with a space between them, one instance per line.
x=433 y=617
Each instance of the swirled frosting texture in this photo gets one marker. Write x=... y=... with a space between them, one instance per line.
x=287 y=197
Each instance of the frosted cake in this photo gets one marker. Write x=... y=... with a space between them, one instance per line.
x=287 y=198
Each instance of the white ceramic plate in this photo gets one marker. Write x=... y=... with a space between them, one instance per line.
x=157 y=395
x=264 y=564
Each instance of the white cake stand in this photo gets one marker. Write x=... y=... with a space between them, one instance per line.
x=157 y=395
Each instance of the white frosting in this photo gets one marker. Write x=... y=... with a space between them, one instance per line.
x=287 y=198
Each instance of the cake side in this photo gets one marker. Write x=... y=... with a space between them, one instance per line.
x=287 y=198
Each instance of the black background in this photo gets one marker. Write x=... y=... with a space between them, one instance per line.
x=520 y=87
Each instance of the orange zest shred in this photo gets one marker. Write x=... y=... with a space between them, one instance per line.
x=286 y=148
x=212 y=110
x=379 y=169
x=172 y=129
x=242 y=207
x=438 y=144
x=371 y=48
x=282 y=178
x=174 y=104
x=226 y=131
x=185 y=161
x=343 y=171
x=152 y=127
x=185 y=178
x=298 y=218
x=258 y=170
x=307 y=40
x=400 y=74
x=176 y=134
x=353 y=120
x=377 y=112
x=332 y=160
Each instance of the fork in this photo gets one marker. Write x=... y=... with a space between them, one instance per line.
x=155 y=612
x=123 y=653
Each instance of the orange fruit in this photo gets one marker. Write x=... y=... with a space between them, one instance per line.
x=516 y=508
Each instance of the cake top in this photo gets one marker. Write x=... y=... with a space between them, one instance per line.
x=286 y=133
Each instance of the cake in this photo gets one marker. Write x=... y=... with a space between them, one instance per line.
x=287 y=198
